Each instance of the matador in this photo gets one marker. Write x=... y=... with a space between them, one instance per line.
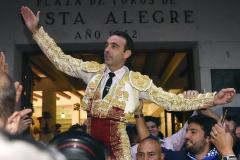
x=109 y=114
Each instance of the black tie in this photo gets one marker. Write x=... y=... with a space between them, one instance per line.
x=108 y=84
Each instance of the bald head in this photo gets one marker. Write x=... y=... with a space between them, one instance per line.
x=149 y=148
x=7 y=97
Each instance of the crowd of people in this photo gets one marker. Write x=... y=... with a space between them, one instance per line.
x=113 y=95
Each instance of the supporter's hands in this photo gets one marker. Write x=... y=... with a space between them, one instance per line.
x=222 y=139
x=25 y=120
x=19 y=121
x=12 y=123
x=140 y=123
x=209 y=113
x=19 y=89
x=3 y=64
x=31 y=20
x=140 y=108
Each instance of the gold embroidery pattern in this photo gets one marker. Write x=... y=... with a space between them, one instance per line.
x=120 y=142
x=65 y=63
x=102 y=108
x=139 y=81
x=117 y=97
x=91 y=93
x=129 y=117
x=173 y=102
x=91 y=66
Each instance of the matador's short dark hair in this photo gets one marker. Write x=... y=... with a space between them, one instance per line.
x=129 y=42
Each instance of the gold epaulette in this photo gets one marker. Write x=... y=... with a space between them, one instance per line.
x=92 y=66
x=139 y=81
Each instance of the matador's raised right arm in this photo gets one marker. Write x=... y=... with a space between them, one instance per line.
x=65 y=63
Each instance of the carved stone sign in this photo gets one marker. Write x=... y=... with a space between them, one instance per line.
x=137 y=13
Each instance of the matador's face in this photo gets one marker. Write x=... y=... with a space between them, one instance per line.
x=115 y=54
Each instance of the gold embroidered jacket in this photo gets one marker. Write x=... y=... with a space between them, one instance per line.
x=125 y=94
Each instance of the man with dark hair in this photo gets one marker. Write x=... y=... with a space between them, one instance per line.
x=153 y=124
x=197 y=143
x=204 y=122
x=113 y=91
x=197 y=137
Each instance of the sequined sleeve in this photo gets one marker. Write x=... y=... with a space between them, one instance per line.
x=173 y=102
x=65 y=63
x=167 y=100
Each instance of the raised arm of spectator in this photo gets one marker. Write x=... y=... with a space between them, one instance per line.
x=210 y=113
x=140 y=123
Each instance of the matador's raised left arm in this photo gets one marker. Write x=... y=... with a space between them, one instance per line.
x=167 y=100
